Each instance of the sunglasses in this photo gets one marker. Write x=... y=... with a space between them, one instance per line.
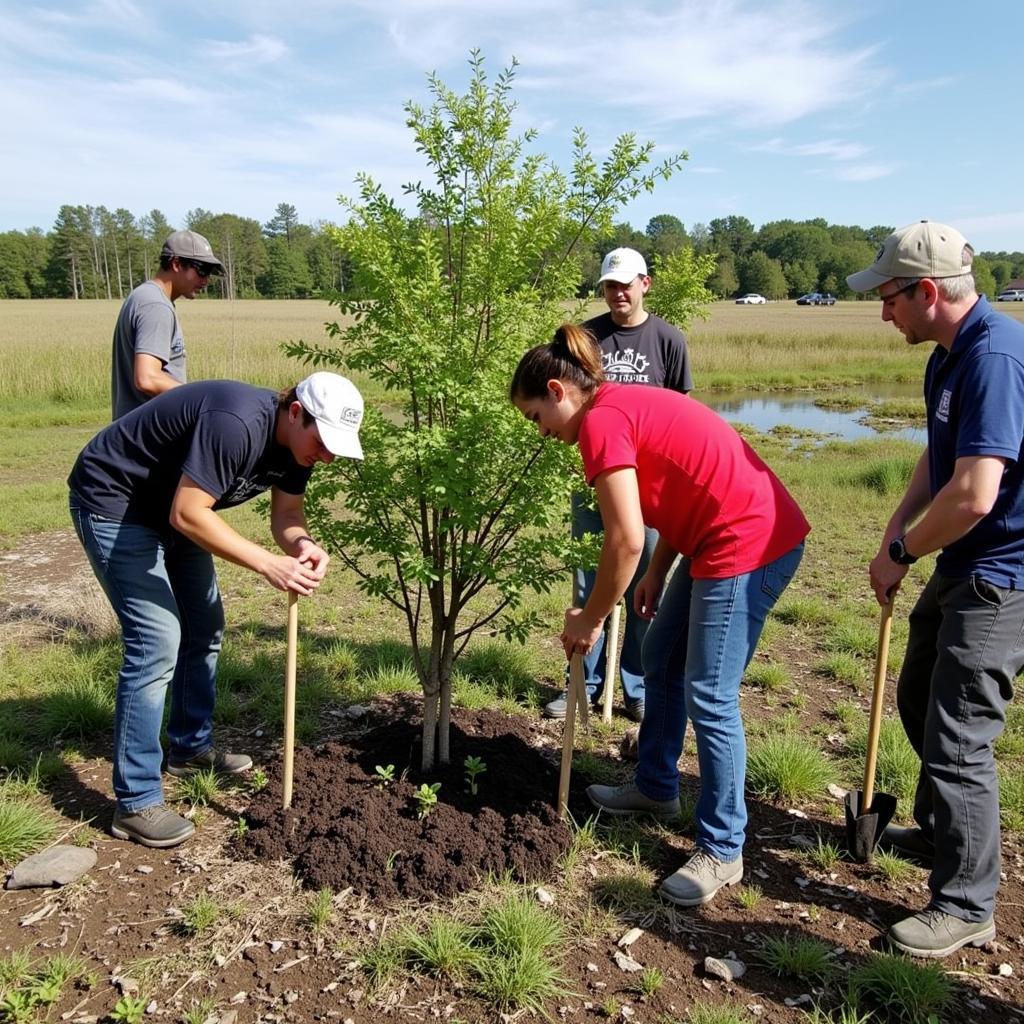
x=202 y=269
x=899 y=291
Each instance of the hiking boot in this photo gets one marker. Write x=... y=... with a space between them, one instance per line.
x=156 y=826
x=934 y=933
x=635 y=712
x=699 y=879
x=220 y=761
x=628 y=799
x=557 y=707
x=911 y=843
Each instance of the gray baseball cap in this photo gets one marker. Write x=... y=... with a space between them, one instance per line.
x=191 y=245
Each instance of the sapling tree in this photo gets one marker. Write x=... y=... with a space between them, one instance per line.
x=459 y=508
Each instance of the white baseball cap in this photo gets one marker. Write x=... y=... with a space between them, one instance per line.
x=924 y=249
x=336 y=405
x=622 y=265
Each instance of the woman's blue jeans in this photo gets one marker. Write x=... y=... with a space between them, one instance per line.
x=163 y=589
x=694 y=656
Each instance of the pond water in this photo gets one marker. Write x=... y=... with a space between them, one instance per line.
x=764 y=410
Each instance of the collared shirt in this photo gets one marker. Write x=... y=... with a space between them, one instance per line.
x=975 y=399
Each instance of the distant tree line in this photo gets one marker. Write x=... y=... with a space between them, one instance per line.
x=93 y=253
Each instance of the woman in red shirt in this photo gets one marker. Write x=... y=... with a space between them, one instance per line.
x=659 y=458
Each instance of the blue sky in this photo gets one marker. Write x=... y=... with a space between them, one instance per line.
x=875 y=113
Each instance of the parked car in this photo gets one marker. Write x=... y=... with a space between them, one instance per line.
x=1011 y=295
x=816 y=299
x=751 y=299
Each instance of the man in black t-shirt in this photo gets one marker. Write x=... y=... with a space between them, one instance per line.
x=144 y=498
x=637 y=347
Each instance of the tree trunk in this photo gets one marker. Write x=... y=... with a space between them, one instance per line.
x=430 y=701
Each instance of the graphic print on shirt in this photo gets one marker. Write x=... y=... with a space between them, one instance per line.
x=942 y=412
x=626 y=367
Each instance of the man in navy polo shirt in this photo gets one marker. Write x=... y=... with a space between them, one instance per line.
x=145 y=494
x=965 y=501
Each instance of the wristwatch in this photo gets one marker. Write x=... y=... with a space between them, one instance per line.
x=898 y=552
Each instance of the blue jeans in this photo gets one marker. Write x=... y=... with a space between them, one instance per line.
x=163 y=589
x=588 y=520
x=695 y=654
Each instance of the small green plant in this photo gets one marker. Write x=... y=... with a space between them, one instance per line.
x=787 y=767
x=611 y=1008
x=258 y=780
x=380 y=963
x=426 y=798
x=748 y=896
x=843 y=667
x=129 y=1010
x=474 y=766
x=767 y=676
x=24 y=828
x=710 y=1013
x=898 y=766
x=240 y=829
x=846 y=713
x=199 y=788
x=199 y=914
x=800 y=957
x=321 y=907
x=648 y=983
x=903 y=989
x=844 y=1014
x=825 y=855
x=200 y=1011
x=444 y=949
x=384 y=775
x=18 y=1006
x=892 y=867
x=392 y=859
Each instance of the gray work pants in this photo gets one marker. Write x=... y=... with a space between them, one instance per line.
x=964 y=650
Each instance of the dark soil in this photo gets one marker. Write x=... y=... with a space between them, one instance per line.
x=347 y=827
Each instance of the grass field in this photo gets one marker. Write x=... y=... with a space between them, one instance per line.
x=806 y=692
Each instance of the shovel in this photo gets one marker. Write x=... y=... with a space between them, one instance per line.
x=575 y=698
x=289 y=699
x=868 y=812
x=611 y=650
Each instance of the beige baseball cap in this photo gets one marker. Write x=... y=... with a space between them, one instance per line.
x=924 y=249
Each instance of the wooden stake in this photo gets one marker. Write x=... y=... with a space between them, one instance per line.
x=577 y=691
x=289 y=697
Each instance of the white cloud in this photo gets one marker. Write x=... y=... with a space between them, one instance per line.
x=257 y=48
x=164 y=89
x=865 y=172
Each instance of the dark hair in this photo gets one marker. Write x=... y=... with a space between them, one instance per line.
x=572 y=355
x=166 y=258
x=285 y=397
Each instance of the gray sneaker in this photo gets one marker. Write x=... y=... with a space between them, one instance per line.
x=699 y=879
x=908 y=842
x=220 y=761
x=156 y=826
x=628 y=799
x=934 y=933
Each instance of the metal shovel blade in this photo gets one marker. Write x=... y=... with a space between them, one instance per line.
x=864 y=826
x=868 y=812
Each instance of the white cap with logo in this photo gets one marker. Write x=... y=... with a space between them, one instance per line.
x=924 y=249
x=336 y=405
x=622 y=265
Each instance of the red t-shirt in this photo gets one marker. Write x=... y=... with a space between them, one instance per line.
x=702 y=487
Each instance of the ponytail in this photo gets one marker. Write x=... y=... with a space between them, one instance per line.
x=572 y=355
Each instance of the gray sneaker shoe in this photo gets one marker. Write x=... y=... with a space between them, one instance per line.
x=908 y=842
x=220 y=761
x=628 y=799
x=934 y=933
x=156 y=826
x=556 y=708
x=699 y=879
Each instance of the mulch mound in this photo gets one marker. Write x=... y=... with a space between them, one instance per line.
x=345 y=828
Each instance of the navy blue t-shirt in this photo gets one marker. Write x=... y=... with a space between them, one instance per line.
x=975 y=399
x=218 y=432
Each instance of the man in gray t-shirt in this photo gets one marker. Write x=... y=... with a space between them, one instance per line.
x=149 y=349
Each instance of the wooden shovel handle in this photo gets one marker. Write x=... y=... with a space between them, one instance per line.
x=289 y=698
x=577 y=687
x=877 y=699
x=610 y=663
